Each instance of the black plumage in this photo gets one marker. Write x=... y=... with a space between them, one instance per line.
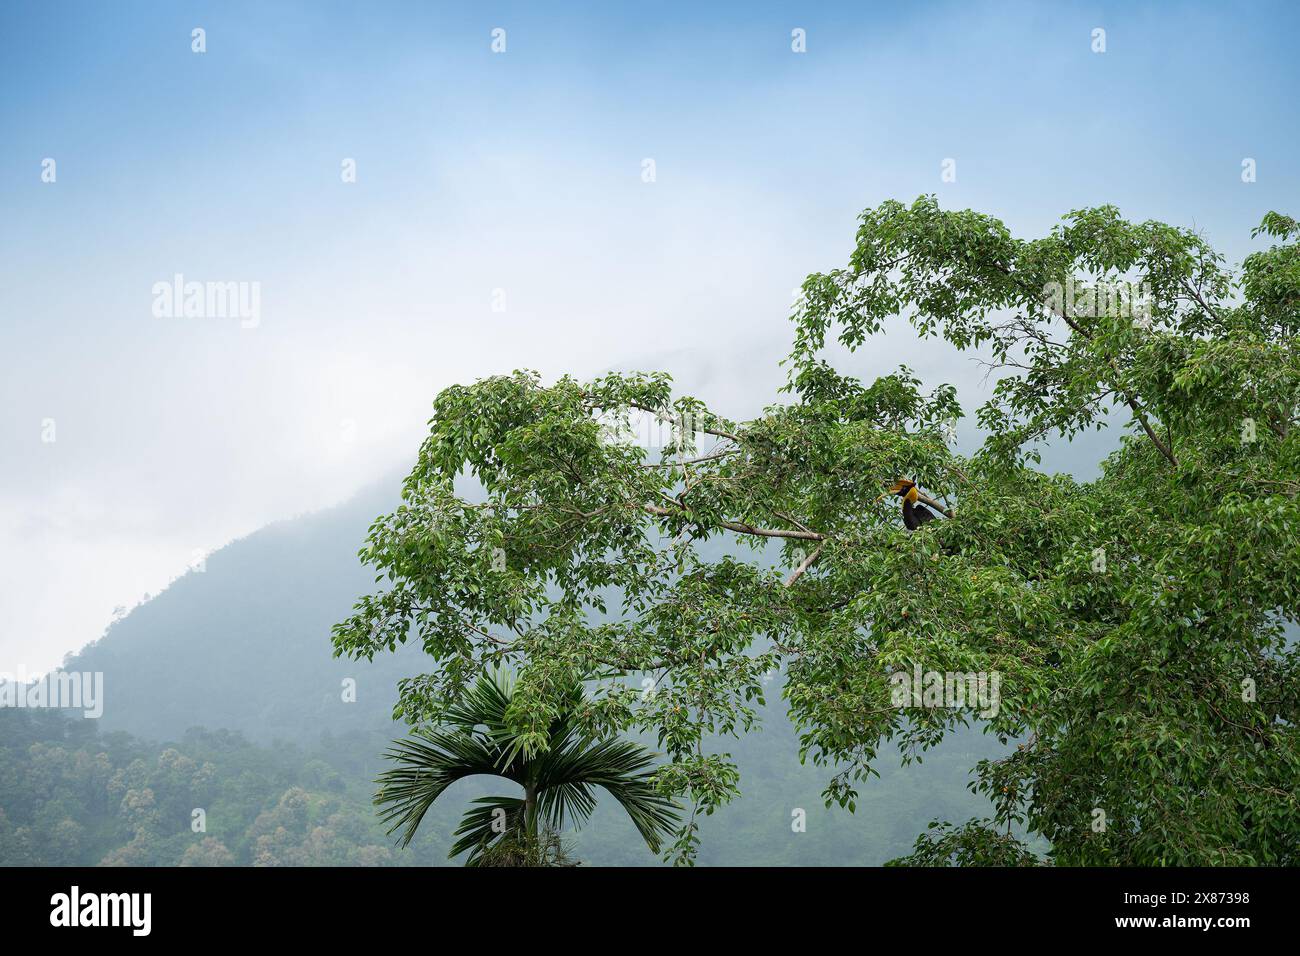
x=915 y=515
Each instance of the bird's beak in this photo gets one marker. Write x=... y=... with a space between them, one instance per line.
x=895 y=488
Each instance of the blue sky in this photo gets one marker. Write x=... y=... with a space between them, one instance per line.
x=521 y=172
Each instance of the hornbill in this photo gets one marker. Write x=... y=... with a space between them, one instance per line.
x=915 y=514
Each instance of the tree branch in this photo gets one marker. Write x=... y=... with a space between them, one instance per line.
x=713 y=456
x=927 y=500
x=804 y=565
x=741 y=527
x=1129 y=400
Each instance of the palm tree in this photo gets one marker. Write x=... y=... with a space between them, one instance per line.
x=557 y=780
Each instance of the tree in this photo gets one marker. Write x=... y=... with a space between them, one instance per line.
x=557 y=773
x=1135 y=624
x=208 y=852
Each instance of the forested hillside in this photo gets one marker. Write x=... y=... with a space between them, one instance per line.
x=221 y=694
x=71 y=796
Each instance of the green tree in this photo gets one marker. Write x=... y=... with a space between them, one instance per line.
x=558 y=773
x=208 y=852
x=1136 y=622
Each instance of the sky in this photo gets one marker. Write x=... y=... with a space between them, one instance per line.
x=503 y=215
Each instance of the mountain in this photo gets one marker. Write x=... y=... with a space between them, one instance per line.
x=244 y=645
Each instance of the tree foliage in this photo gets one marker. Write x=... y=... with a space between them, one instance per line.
x=70 y=796
x=1136 y=621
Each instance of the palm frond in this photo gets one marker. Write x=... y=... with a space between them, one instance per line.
x=563 y=774
x=483 y=824
x=429 y=761
x=623 y=769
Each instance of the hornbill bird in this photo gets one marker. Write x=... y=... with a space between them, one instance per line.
x=915 y=514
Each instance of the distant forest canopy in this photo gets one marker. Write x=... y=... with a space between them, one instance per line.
x=70 y=795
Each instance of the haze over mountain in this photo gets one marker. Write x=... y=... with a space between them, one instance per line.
x=244 y=643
